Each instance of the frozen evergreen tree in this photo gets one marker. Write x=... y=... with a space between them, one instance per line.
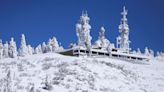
x=1 y=49
x=7 y=87
x=147 y=53
x=23 y=51
x=54 y=44
x=138 y=51
x=30 y=50
x=5 y=50
x=46 y=84
x=38 y=49
x=102 y=42
x=83 y=31
x=12 y=49
x=44 y=47
x=49 y=47
x=151 y=52
x=157 y=54
x=161 y=53
x=61 y=48
x=79 y=34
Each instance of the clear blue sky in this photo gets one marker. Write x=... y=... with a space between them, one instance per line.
x=42 y=19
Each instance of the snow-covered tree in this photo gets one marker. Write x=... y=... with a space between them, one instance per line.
x=12 y=49
x=1 y=49
x=5 y=50
x=38 y=49
x=160 y=56
x=147 y=53
x=49 y=47
x=83 y=31
x=33 y=50
x=102 y=42
x=23 y=51
x=46 y=84
x=7 y=87
x=60 y=48
x=54 y=44
x=151 y=52
x=138 y=51
x=30 y=50
x=158 y=53
x=44 y=47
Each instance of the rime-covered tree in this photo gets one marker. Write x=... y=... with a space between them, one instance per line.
x=12 y=49
x=46 y=84
x=23 y=51
x=151 y=52
x=54 y=44
x=38 y=49
x=44 y=47
x=83 y=31
x=147 y=53
x=5 y=50
x=7 y=82
x=1 y=49
x=49 y=47
x=30 y=50
x=102 y=42
x=157 y=54
x=160 y=56
x=33 y=50
x=138 y=51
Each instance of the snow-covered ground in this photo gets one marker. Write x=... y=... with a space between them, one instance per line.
x=52 y=72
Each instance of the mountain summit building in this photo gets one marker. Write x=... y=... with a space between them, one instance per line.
x=103 y=47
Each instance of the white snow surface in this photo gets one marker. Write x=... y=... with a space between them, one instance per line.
x=81 y=74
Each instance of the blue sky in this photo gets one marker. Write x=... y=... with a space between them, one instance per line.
x=42 y=19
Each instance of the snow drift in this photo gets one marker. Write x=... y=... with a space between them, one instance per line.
x=52 y=72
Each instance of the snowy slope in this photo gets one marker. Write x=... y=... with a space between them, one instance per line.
x=80 y=74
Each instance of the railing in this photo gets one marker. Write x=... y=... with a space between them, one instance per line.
x=84 y=52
